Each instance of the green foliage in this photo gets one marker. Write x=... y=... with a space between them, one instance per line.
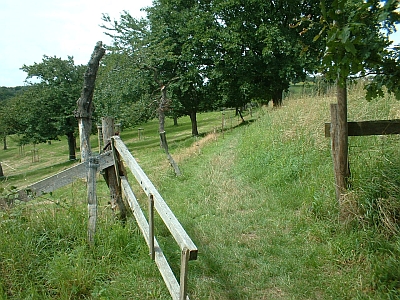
x=9 y=92
x=44 y=111
x=357 y=42
x=258 y=202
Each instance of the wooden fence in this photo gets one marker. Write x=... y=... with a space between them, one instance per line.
x=118 y=155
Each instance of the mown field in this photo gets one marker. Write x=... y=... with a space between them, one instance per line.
x=258 y=201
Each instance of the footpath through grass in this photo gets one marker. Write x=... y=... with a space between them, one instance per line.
x=258 y=202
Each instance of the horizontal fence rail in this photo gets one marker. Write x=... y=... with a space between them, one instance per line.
x=172 y=223
x=188 y=249
x=362 y=128
x=63 y=178
x=178 y=290
x=162 y=263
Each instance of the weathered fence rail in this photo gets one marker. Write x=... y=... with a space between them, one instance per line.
x=363 y=128
x=360 y=128
x=63 y=178
x=178 y=290
x=186 y=245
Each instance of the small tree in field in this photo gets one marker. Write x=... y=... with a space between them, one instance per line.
x=48 y=104
x=356 y=34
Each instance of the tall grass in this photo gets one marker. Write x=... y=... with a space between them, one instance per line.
x=258 y=201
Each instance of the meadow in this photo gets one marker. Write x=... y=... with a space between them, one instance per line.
x=258 y=200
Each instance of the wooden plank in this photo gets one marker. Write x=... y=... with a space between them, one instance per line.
x=92 y=199
x=172 y=223
x=62 y=178
x=364 y=128
x=184 y=274
x=151 y=226
x=339 y=180
x=161 y=262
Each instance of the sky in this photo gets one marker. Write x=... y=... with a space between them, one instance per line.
x=30 y=29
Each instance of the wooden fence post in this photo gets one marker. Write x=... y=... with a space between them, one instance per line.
x=110 y=174
x=92 y=198
x=339 y=152
x=151 y=226
x=184 y=272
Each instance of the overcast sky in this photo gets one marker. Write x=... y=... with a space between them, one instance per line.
x=30 y=29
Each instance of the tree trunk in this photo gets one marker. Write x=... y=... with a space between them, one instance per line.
x=171 y=160
x=4 y=142
x=277 y=97
x=1 y=171
x=161 y=113
x=85 y=102
x=193 y=120
x=71 y=145
x=175 y=121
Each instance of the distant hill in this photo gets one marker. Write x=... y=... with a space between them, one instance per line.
x=9 y=92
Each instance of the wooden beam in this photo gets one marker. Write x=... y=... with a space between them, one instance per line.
x=162 y=263
x=364 y=128
x=168 y=217
x=62 y=178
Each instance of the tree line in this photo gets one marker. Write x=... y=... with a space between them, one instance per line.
x=186 y=57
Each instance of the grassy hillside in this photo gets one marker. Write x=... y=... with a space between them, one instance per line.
x=258 y=201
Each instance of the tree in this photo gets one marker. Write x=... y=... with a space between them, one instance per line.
x=357 y=44
x=7 y=122
x=49 y=103
x=172 y=45
x=260 y=52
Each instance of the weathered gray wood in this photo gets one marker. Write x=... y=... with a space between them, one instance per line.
x=85 y=106
x=364 y=128
x=92 y=199
x=342 y=148
x=160 y=260
x=176 y=229
x=339 y=183
x=164 y=145
x=63 y=178
x=151 y=226
x=111 y=174
x=184 y=274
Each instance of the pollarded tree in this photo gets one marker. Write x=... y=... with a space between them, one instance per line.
x=56 y=85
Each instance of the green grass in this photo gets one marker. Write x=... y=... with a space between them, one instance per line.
x=258 y=201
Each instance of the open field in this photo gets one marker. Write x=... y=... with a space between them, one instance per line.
x=258 y=201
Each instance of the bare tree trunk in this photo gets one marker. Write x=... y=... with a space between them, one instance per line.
x=71 y=145
x=162 y=107
x=193 y=120
x=85 y=107
x=277 y=98
x=1 y=171
x=5 y=142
